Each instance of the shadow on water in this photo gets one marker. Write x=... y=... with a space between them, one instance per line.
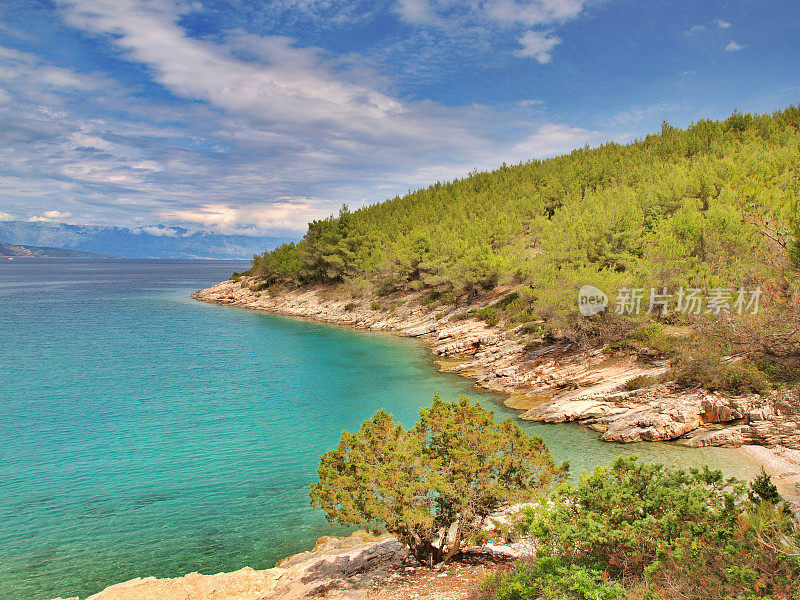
x=211 y=541
x=43 y=500
x=154 y=497
x=42 y=559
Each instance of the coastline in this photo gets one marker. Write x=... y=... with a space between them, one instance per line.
x=554 y=383
x=356 y=567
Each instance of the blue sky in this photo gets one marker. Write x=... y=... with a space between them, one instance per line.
x=258 y=116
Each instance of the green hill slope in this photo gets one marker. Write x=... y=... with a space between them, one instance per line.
x=712 y=208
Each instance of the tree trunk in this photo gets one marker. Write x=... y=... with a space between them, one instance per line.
x=456 y=547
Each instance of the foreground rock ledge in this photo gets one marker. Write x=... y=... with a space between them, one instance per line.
x=337 y=568
x=553 y=384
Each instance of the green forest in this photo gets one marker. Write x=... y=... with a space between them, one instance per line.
x=714 y=208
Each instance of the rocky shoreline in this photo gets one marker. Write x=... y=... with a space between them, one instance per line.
x=361 y=566
x=555 y=383
x=336 y=568
x=552 y=383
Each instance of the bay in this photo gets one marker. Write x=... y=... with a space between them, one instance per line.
x=143 y=433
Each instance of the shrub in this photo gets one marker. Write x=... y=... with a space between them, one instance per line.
x=717 y=374
x=639 y=382
x=490 y=316
x=452 y=469
x=530 y=328
x=625 y=516
x=650 y=335
x=547 y=578
x=674 y=534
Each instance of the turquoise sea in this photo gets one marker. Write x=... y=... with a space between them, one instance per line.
x=144 y=433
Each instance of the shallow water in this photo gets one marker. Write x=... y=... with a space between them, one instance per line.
x=143 y=433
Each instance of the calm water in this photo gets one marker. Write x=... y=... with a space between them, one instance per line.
x=143 y=433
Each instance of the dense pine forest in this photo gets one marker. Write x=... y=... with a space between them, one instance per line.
x=713 y=208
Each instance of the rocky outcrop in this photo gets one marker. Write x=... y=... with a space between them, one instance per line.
x=553 y=383
x=337 y=568
x=663 y=412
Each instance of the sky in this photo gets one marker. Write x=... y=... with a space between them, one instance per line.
x=257 y=116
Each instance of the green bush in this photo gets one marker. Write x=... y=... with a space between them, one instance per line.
x=639 y=382
x=650 y=336
x=491 y=316
x=662 y=534
x=713 y=372
x=550 y=578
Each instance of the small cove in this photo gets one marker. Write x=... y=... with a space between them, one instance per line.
x=144 y=433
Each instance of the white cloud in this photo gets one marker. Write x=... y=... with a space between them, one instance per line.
x=50 y=216
x=417 y=12
x=286 y=214
x=4 y=216
x=734 y=47
x=551 y=139
x=274 y=134
x=296 y=87
x=157 y=231
x=536 y=12
x=82 y=140
x=695 y=29
x=461 y=20
x=103 y=172
x=23 y=70
x=527 y=13
x=538 y=45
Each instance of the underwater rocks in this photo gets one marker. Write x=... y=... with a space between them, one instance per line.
x=337 y=568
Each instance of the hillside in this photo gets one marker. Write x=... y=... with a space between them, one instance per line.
x=699 y=225
x=13 y=250
x=143 y=242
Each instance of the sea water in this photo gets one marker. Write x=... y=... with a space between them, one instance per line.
x=143 y=433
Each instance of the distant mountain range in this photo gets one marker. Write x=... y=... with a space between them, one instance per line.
x=157 y=241
x=9 y=250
